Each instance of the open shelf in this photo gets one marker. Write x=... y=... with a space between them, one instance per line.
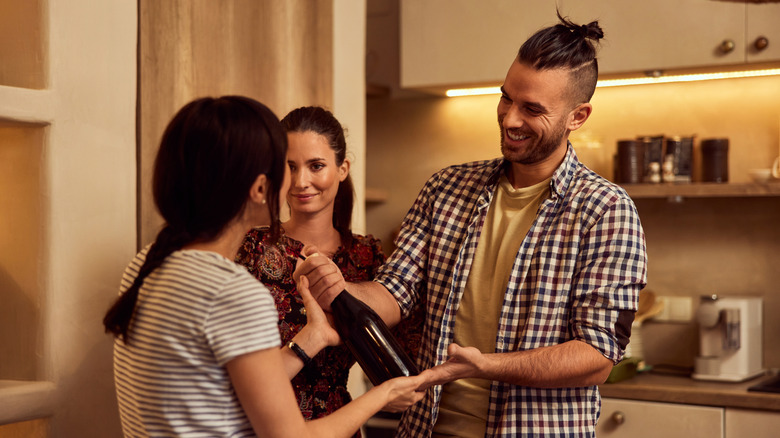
x=23 y=400
x=25 y=105
x=22 y=44
x=21 y=249
x=703 y=190
x=26 y=111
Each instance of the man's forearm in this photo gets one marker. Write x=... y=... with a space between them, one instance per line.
x=378 y=298
x=571 y=364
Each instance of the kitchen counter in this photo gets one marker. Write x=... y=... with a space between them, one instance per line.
x=675 y=389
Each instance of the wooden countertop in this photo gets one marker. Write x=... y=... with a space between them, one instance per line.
x=674 y=389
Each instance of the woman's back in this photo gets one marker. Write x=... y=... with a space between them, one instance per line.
x=196 y=312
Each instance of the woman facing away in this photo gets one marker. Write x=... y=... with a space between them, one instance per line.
x=197 y=344
x=321 y=201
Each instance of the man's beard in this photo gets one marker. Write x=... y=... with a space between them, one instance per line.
x=537 y=152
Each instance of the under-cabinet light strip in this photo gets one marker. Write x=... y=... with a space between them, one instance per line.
x=637 y=81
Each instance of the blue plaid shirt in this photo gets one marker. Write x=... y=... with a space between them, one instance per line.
x=581 y=265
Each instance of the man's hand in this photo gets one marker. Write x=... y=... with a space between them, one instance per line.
x=325 y=278
x=462 y=362
x=571 y=364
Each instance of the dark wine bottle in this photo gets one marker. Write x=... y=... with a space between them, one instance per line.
x=369 y=339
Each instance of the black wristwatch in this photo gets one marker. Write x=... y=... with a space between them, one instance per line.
x=299 y=352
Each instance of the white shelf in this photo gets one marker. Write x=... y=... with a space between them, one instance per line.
x=24 y=400
x=26 y=105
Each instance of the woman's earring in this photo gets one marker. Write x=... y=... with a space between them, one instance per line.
x=263 y=201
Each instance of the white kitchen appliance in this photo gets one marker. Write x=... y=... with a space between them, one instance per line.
x=730 y=338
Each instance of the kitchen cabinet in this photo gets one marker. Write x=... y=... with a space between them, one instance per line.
x=466 y=43
x=680 y=34
x=646 y=404
x=664 y=34
x=762 y=19
x=755 y=424
x=639 y=419
x=645 y=419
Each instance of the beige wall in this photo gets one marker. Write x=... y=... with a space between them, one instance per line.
x=279 y=53
x=284 y=54
x=725 y=246
x=90 y=167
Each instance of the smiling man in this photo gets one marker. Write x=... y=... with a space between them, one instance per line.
x=530 y=264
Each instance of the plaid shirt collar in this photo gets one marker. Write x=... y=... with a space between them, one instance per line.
x=561 y=178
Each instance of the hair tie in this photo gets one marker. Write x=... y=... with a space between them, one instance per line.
x=584 y=29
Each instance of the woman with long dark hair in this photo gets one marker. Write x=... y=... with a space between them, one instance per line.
x=321 y=199
x=197 y=345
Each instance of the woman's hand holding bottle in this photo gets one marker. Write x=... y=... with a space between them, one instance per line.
x=317 y=334
x=318 y=324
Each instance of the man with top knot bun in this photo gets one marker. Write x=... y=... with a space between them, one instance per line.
x=530 y=264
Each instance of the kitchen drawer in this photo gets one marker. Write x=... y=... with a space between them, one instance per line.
x=639 y=419
x=755 y=424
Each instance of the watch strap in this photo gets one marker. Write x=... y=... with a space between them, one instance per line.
x=299 y=352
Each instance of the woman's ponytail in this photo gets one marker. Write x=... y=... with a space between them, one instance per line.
x=118 y=317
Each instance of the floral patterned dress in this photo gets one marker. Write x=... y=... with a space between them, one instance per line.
x=321 y=386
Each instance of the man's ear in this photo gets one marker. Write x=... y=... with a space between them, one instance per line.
x=579 y=115
x=259 y=189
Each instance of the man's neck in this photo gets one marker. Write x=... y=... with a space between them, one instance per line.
x=525 y=175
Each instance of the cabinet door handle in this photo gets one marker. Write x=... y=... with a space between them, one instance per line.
x=727 y=46
x=761 y=43
x=618 y=417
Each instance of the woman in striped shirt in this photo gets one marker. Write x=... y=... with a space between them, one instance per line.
x=197 y=346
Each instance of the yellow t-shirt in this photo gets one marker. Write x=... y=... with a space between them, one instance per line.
x=464 y=403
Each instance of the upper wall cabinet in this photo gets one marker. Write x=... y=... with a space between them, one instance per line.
x=680 y=34
x=664 y=34
x=447 y=43
x=464 y=42
x=763 y=32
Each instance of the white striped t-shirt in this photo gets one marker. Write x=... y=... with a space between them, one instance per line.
x=195 y=313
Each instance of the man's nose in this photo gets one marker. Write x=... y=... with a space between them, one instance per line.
x=512 y=118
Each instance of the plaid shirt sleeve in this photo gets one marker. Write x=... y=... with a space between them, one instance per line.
x=610 y=271
x=403 y=273
x=432 y=234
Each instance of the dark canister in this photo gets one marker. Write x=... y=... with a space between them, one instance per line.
x=653 y=152
x=630 y=161
x=715 y=160
x=679 y=157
